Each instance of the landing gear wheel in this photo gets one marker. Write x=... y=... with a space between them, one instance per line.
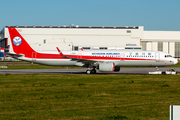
x=163 y=73
x=93 y=71
x=88 y=71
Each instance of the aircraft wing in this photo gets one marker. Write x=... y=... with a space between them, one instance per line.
x=85 y=61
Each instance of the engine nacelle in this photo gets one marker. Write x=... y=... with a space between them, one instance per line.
x=108 y=66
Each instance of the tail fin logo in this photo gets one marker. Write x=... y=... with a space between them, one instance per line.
x=17 y=41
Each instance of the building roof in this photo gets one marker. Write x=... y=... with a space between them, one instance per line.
x=103 y=27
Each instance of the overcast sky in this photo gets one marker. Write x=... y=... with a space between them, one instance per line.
x=156 y=15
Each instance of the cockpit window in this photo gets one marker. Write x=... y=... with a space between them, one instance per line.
x=167 y=56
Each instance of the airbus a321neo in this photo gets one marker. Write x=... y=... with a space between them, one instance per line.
x=102 y=60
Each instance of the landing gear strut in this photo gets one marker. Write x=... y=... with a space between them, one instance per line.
x=92 y=71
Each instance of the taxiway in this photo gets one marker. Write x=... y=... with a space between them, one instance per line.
x=78 y=71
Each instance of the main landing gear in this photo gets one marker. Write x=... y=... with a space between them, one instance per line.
x=92 y=71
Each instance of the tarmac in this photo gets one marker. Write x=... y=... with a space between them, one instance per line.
x=130 y=71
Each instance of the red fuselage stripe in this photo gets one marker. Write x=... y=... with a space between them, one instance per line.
x=57 y=56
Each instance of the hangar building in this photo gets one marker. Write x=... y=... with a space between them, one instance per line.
x=102 y=38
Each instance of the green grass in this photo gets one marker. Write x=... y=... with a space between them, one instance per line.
x=26 y=65
x=96 y=97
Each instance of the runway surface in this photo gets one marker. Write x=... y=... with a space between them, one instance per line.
x=79 y=71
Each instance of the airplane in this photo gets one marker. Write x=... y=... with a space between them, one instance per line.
x=102 y=60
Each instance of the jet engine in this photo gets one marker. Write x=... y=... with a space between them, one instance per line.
x=108 y=66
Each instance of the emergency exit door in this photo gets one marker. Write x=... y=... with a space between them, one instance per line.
x=157 y=56
x=122 y=56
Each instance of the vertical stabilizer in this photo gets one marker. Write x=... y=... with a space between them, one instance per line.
x=19 y=44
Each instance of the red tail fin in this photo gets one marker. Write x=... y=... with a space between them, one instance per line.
x=19 y=44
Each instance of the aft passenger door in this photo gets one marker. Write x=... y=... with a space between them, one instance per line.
x=34 y=56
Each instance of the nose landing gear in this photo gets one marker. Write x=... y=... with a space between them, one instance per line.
x=157 y=68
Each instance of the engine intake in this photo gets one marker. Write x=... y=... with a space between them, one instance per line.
x=108 y=66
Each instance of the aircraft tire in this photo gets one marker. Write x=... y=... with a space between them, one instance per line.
x=88 y=71
x=164 y=73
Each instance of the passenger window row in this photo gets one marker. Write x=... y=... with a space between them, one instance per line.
x=139 y=56
x=73 y=56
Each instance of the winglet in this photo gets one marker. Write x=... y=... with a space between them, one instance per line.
x=61 y=54
x=82 y=49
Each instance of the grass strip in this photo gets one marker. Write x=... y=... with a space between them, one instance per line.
x=97 y=97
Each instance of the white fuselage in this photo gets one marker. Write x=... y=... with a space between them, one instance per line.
x=119 y=57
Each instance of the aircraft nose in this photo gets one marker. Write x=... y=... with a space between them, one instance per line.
x=175 y=61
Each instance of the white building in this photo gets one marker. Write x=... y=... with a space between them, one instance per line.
x=75 y=37
x=166 y=41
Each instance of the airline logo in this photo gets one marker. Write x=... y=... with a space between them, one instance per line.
x=17 y=41
x=105 y=53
